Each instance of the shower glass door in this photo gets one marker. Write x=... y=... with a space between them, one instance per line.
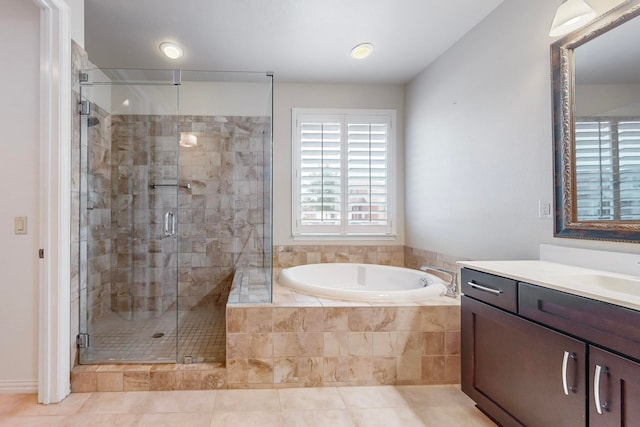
x=129 y=227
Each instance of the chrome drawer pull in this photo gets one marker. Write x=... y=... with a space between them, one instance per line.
x=483 y=288
x=565 y=361
x=596 y=389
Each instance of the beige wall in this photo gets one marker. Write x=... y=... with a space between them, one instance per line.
x=19 y=120
x=479 y=142
x=288 y=96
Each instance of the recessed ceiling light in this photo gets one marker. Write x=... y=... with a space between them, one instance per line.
x=362 y=50
x=171 y=50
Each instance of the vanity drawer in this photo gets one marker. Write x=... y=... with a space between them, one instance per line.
x=494 y=290
x=595 y=321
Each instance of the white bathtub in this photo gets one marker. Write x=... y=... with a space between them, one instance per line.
x=362 y=282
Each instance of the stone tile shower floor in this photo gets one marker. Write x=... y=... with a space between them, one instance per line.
x=201 y=335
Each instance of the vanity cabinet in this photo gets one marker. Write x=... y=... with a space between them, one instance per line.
x=533 y=356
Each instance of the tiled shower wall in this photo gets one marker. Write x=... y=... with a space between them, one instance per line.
x=220 y=219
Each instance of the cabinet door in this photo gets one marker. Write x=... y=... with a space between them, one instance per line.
x=615 y=390
x=520 y=373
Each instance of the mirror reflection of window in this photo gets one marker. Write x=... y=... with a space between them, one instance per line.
x=607 y=126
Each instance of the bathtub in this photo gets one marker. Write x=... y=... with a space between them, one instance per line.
x=362 y=282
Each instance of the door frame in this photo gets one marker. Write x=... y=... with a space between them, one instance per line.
x=54 y=276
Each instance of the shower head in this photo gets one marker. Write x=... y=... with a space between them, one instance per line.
x=92 y=121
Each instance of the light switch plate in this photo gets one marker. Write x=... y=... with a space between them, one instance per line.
x=20 y=225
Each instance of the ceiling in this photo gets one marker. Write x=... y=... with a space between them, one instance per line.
x=298 y=40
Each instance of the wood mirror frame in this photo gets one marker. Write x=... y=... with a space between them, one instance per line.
x=563 y=86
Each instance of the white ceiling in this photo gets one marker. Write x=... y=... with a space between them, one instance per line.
x=298 y=40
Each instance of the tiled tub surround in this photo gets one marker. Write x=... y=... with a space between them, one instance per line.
x=302 y=341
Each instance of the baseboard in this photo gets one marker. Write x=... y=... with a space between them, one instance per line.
x=18 y=386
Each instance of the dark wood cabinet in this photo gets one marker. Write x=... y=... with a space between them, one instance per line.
x=614 y=390
x=513 y=369
x=537 y=357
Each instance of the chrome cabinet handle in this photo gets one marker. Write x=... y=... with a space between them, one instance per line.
x=596 y=389
x=485 y=289
x=565 y=362
x=173 y=223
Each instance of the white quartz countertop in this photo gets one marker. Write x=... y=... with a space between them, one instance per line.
x=618 y=289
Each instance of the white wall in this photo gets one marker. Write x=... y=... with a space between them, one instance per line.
x=19 y=121
x=479 y=142
x=288 y=96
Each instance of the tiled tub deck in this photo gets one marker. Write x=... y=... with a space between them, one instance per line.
x=301 y=341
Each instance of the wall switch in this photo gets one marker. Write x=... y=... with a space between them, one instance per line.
x=544 y=209
x=20 y=225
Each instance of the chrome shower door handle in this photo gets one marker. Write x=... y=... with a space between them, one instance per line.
x=169 y=224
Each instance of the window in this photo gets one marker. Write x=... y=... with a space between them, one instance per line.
x=608 y=169
x=343 y=173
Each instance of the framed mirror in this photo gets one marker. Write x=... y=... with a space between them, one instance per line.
x=596 y=127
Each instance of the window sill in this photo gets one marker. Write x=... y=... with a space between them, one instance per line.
x=339 y=237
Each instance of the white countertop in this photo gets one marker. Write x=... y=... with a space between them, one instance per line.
x=619 y=289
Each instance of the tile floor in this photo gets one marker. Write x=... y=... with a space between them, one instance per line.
x=201 y=335
x=384 y=406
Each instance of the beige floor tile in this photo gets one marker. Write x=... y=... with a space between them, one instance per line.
x=8 y=402
x=247 y=400
x=459 y=416
x=181 y=401
x=317 y=418
x=176 y=420
x=310 y=398
x=33 y=421
x=246 y=419
x=127 y=402
x=434 y=395
x=388 y=417
x=70 y=405
x=372 y=397
x=103 y=420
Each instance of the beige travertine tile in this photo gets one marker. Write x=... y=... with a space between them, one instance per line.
x=385 y=344
x=335 y=369
x=360 y=318
x=360 y=368
x=84 y=382
x=335 y=319
x=336 y=344
x=433 y=369
x=237 y=371
x=409 y=319
x=460 y=416
x=136 y=381
x=452 y=343
x=360 y=344
x=259 y=320
x=260 y=371
x=261 y=345
x=180 y=401
x=287 y=319
x=183 y=419
x=433 y=343
x=110 y=381
x=385 y=370
x=452 y=374
x=33 y=421
x=238 y=346
x=162 y=380
x=434 y=319
x=311 y=319
x=103 y=420
x=298 y=344
x=410 y=367
x=384 y=318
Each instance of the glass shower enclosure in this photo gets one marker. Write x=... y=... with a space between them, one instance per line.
x=175 y=207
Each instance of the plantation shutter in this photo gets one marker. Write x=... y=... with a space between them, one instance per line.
x=367 y=183
x=320 y=172
x=343 y=173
